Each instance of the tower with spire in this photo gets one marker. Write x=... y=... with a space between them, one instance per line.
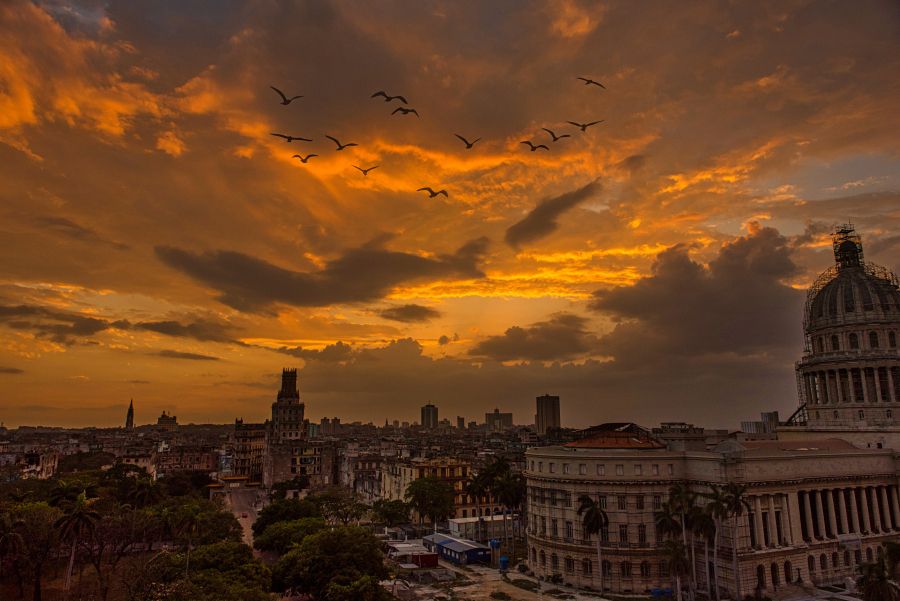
x=129 y=417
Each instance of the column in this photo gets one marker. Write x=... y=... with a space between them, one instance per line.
x=820 y=514
x=773 y=528
x=892 y=392
x=876 y=375
x=808 y=510
x=839 y=383
x=823 y=386
x=842 y=509
x=866 y=524
x=792 y=505
x=854 y=512
x=886 y=509
x=757 y=521
x=852 y=388
x=873 y=512
x=895 y=506
x=829 y=496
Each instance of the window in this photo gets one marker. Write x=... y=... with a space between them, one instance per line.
x=657 y=502
x=820 y=345
x=623 y=502
x=543 y=559
x=554 y=527
x=570 y=565
x=607 y=569
x=543 y=526
x=570 y=530
x=623 y=533
x=890 y=414
x=862 y=414
x=663 y=569
x=565 y=468
x=620 y=470
x=601 y=469
x=604 y=534
x=582 y=469
x=823 y=562
x=645 y=569
x=540 y=466
x=835 y=343
x=873 y=339
x=587 y=568
x=892 y=340
x=854 y=341
x=532 y=465
x=671 y=469
x=554 y=562
x=552 y=468
x=638 y=469
x=639 y=502
x=654 y=469
x=625 y=569
x=642 y=534
x=602 y=501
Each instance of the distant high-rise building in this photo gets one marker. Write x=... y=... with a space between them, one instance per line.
x=287 y=410
x=129 y=417
x=497 y=421
x=167 y=422
x=547 y=413
x=460 y=423
x=429 y=416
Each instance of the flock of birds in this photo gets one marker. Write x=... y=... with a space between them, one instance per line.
x=405 y=109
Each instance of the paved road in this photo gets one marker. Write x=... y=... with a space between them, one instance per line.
x=240 y=501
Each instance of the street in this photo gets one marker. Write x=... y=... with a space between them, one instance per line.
x=241 y=501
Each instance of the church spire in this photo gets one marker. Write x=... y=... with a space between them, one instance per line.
x=129 y=417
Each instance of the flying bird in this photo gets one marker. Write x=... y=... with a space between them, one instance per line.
x=589 y=82
x=554 y=136
x=532 y=146
x=584 y=126
x=289 y=139
x=468 y=144
x=432 y=193
x=365 y=171
x=284 y=99
x=341 y=146
x=405 y=111
x=388 y=98
x=304 y=159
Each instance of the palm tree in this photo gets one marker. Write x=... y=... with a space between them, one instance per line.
x=679 y=563
x=593 y=522
x=511 y=492
x=736 y=504
x=704 y=526
x=666 y=519
x=682 y=499
x=892 y=557
x=143 y=492
x=476 y=488
x=875 y=582
x=188 y=525
x=717 y=508
x=11 y=545
x=78 y=521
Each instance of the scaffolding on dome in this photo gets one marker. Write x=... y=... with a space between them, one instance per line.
x=798 y=417
x=847 y=245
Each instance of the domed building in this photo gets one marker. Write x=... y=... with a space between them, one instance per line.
x=849 y=376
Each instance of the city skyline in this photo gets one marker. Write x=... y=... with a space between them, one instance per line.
x=159 y=244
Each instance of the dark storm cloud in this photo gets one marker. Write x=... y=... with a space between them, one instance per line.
x=410 y=313
x=11 y=370
x=561 y=337
x=541 y=221
x=332 y=353
x=203 y=330
x=739 y=303
x=250 y=284
x=169 y=354
x=70 y=229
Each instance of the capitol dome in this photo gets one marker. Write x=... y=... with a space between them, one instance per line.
x=850 y=372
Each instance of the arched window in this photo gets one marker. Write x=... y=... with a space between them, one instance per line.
x=625 y=569
x=570 y=565
x=554 y=562
x=873 y=339
x=760 y=577
x=834 y=560
x=823 y=562
x=810 y=560
x=587 y=568
x=788 y=572
x=862 y=414
x=607 y=569
x=645 y=569
x=533 y=555
x=869 y=555
x=835 y=414
x=847 y=558
x=835 y=343
x=854 y=341
x=820 y=345
x=543 y=559
x=774 y=571
x=892 y=339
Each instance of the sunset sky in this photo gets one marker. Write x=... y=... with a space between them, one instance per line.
x=157 y=243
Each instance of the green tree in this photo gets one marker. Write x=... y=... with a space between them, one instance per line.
x=876 y=582
x=679 y=563
x=593 y=522
x=141 y=492
x=682 y=500
x=431 y=497
x=477 y=488
x=510 y=490
x=704 y=526
x=393 y=512
x=364 y=588
x=717 y=508
x=283 y=511
x=736 y=504
x=280 y=537
x=189 y=524
x=35 y=523
x=279 y=489
x=77 y=523
x=341 y=555
x=12 y=546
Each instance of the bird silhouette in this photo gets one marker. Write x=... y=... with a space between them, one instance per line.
x=341 y=146
x=365 y=171
x=284 y=99
x=405 y=111
x=388 y=98
x=432 y=193
x=468 y=144
x=584 y=126
x=534 y=146
x=304 y=159
x=289 y=139
x=589 y=82
x=554 y=136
